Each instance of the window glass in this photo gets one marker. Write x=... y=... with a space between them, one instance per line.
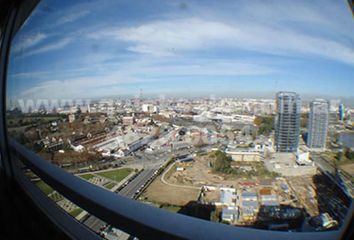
x=1 y=27
x=236 y=112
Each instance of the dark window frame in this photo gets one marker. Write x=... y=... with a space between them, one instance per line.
x=128 y=215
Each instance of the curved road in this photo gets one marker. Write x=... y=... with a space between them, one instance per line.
x=174 y=185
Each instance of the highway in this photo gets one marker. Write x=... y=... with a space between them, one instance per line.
x=323 y=164
x=150 y=163
x=343 y=181
x=128 y=191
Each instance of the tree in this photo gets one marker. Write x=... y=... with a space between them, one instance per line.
x=258 y=121
x=222 y=162
x=265 y=124
x=349 y=154
x=157 y=132
x=304 y=120
x=340 y=155
x=254 y=135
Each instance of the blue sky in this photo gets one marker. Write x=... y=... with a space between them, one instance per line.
x=90 y=49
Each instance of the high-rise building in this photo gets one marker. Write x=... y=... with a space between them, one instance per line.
x=334 y=105
x=318 y=124
x=341 y=112
x=287 y=121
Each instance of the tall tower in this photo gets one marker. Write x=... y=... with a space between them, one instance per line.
x=318 y=124
x=341 y=112
x=287 y=121
x=334 y=105
x=140 y=98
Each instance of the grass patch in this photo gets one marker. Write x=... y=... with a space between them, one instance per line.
x=56 y=197
x=222 y=163
x=116 y=175
x=75 y=212
x=44 y=187
x=165 y=206
x=110 y=185
x=87 y=176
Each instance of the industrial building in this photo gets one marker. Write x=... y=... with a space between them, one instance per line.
x=127 y=121
x=228 y=197
x=230 y=212
x=230 y=215
x=249 y=196
x=244 y=155
x=249 y=206
x=149 y=108
x=267 y=197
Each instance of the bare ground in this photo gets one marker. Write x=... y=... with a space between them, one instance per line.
x=348 y=168
x=159 y=192
x=199 y=174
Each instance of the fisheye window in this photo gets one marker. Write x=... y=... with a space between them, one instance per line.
x=235 y=112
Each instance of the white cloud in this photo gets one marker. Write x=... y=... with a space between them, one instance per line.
x=288 y=42
x=30 y=75
x=26 y=41
x=76 y=87
x=166 y=37
x=114 y=78
x=171 y=37
x=175 y=47
x=188 y=67
x=67 y=18
x=50 y=47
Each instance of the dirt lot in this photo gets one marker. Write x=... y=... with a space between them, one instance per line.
x=159 y=192
x=212 y=196
x=199 y=174
x=348 y=168
x=305 y=191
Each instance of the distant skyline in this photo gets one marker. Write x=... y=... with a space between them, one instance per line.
x=239 y=48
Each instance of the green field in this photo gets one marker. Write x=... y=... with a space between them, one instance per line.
x=165 y=206
x=56 y=197
x=116 y=175
x=110 y=185
x=87 y=176
x=44 y=187
x=75 y=212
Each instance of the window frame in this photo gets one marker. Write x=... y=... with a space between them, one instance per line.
x=135 y=218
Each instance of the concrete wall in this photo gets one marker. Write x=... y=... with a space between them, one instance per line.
x=246 y=157
x=299 y=171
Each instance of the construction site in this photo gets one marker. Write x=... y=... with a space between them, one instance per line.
x=258 y=200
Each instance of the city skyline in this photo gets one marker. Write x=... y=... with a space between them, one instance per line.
x=184 y=49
